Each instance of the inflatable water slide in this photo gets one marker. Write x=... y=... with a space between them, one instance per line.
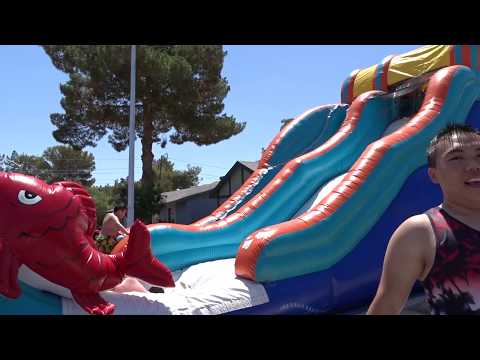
x=307 y=232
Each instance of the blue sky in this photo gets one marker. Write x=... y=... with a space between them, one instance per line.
x=268 y=83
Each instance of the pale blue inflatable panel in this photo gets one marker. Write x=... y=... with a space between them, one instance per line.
x=323 y=244
x=308 y=134
x=179 y=249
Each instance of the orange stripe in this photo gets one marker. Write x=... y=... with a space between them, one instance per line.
x=466 y=56
x=478 y=58
x=246 y=261
x=452 y=54
x=386 y=67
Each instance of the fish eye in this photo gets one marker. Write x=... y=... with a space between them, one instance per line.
x=28 y=198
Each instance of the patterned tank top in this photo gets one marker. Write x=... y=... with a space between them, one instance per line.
x=453 y=284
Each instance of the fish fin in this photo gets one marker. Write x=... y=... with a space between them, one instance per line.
x=140 y=262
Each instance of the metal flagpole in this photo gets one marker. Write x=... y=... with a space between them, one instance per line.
x=131 y=140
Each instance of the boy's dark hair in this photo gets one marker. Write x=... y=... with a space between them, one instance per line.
x=447 y=134
x=119 y=207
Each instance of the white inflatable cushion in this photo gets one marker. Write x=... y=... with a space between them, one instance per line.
x=209 y=288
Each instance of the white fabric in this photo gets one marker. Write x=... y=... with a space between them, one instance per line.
x=209 y=288
x=29 y=277
x=205 y=289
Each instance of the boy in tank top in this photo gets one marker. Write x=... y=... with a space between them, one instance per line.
x=440 y=248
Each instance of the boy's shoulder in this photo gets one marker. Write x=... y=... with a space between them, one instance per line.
x=109 y=216
x=415 y=234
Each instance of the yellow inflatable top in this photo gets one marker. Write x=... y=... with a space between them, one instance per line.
x=395 y=69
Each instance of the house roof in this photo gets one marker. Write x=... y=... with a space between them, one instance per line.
x=172 y=196
x=251 y=165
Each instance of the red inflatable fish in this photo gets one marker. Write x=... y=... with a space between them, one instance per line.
x=49 y=228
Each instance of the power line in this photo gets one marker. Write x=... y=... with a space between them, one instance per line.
x=85 y=171
x=170 y=158
x=126 y=160
x=215 y=166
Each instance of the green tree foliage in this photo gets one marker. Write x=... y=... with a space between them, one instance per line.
x=67 y=163
x=179 y=98
x=169 y=179
x=104 y=200
x=25 y=164
x=57 y=163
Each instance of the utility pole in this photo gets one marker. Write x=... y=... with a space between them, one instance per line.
x=131 y=140
x=159 y=204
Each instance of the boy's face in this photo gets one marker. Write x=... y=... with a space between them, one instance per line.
x=457 y=169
